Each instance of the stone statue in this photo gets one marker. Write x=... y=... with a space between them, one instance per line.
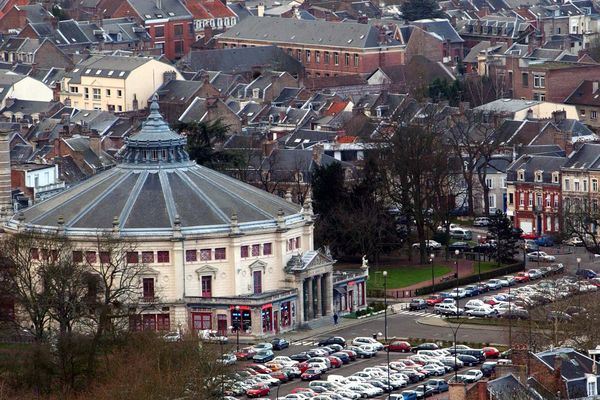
x=365 y=262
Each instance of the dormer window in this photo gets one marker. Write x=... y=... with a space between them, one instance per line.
x=538 y=176
x=256 y=93
x=521 y=175
x=555 y=177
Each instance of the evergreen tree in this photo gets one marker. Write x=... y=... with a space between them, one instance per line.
x=413 y=10
x=201 y=140
x=501 y=229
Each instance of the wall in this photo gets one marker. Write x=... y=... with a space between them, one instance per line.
x=29 y=89
x=144 y=81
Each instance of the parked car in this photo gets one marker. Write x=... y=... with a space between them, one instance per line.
x=245 y=353
x=494 y=284
x=460 y=246
x=472 y=290
x=263 y=356
x=516 y=232
x=424 y=346
x=491 y=352
x=574 y=241
x=534 y=274
x=438 y=385
x=280 y=344
x=522 y=277
x=227 y=359
x=172 y=337
x=540 y=256
x=211 y=336
x=259 y=390
x=544 y=241
x=514 y=313
x=483 y=311
x=263 y=346
x=311 y=374
x=558 y=316
x=468 y=360
x=447 y=309
x=399 y=346
x=488 y=368
x=460 y=233
x=531 y=245
x=586 y=273
x=484 y=248
x=417 y=304
x=473 y=375
x=333 y=340
x=529 y=235
x=434 y=299
x=359 y=341
x=429 y=244
x=481 y=221
x=300 y=356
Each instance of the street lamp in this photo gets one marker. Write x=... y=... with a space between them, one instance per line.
x=385 y=326
x=431 y=257
x=578 y=263
x=238 y=326
x=578 y=282
x=456 y=253
x=237 y=336
x=479 y=256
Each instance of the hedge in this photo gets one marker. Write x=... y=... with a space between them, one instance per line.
x=453 y=283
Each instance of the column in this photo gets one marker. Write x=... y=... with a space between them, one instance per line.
x=6 y=210
x=309 y=312
x=319 y=298
x=328 y=282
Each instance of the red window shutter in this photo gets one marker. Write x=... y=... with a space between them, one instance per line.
x=133 y=257
x=162 y=256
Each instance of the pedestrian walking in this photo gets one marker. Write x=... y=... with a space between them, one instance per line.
x=335 y=319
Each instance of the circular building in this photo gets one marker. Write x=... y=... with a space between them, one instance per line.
x=216 y=252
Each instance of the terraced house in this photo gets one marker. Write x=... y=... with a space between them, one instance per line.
x=324 y=48
x=580 y=177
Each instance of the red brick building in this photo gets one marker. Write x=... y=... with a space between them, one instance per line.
x=324 y=48
x=534 y=193
x=169 y=23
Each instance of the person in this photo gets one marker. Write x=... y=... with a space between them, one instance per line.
x=335 y=319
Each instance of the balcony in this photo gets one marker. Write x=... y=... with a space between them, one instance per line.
x=342 y=276
x=250 y=299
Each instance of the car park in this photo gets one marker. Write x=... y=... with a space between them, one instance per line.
x=417 y=304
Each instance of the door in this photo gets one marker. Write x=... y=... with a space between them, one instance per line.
x=526 y=225
x=222 y=324
x=539 y=224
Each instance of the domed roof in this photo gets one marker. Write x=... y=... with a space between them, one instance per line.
x=157 y=190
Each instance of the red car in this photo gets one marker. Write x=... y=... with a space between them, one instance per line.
x=261 y=369
x=245 y=354
x=259 y=390
x=335 y=362
x=400 y=346
x=302 y=390
x=311 y=374
x=491 y=352
x=351 y=354
x=303 y=366
x=280 y=375
x=434 y=299
x=410 y=363
x=491 y=301
x=530 y=235
x=522 y=277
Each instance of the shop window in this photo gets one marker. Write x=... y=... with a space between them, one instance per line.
x=77 y=256
x=148 y=289
x=147 y=257
x=255 y=250
x=244 y=251
x=206 y=255
x=257 y=280
x=267 y=249
x=90 y=257
x=191 y=255
x=133 y=257
x=220 y=253
x=206 y=285
x=162 y=256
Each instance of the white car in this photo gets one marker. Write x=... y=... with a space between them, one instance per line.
x=434 y=369
x=429 y=244
x=285 y=361
x=494 y=284
x=172 y=337
x=263 y=346
x=358 y=341
x=348 y=394
x=458 y=293
x=473 y=374
x=481 y=221
x=364 y=388
x=540 y=256
x=268 y=379
x=474 y=304
x=484 y=311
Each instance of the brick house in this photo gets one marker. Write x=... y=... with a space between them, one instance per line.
x=210 y=110
x=534 y=193
x=324 y=48
x=20 y=15
x=169 y=23
x=40 y=53
x=437 y=40
x=213 y=13
x=586 y=98
x=175 y=96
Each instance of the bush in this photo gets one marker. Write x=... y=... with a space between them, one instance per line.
x=469 y=279
x=377 y=306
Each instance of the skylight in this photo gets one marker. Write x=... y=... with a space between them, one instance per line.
x=98 y=72
x=110 y=73
x=122 y=73
x=88 y=71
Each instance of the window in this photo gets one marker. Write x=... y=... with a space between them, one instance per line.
x=594 y=115
x=267 y=249
x=191 y=255
x=34 y=254
x=530 y=200
x=326 y=57
x=336 y=58
x=257 y=280
x=538 y=176
x=511 y=198
x=317 y=57
x=539 y=81
x=503 y=183
x=299 y=54
x=178 y=30
x=86 y=93
x=206 y=255
x=178 y=46
x=547 y=200
x=119 y=108
x=307 y=56
x=90 y=257
x=291 y=244
x=207 y=286
x=298 y=242
x=133 y=257
x=147 y=257
x=555 y=201
x=521 y=175
x=148 y=288
x=594 y=205
x=255 y=250
x=346 y=59
x=594 y=185
x=592 y=390
x=220 y=253
x=539 y=96
x=104 y=257
x=119 y=93
x=538 y=200
x=159 y=31
x=567 y=184
x=96 y=93
x=107 y=92
x=555 y=177
x=162 y=256
x=163 y=322
x=356 y=58
x=244 y=251
x=77 y=256
x=525 y=79
x=582 y=112
x=74 y=89
x=489 y=183
x=576 y=186
x=492 y=200
x=585 y=185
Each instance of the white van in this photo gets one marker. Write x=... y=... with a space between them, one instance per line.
x=447 y=309
x=460 y=233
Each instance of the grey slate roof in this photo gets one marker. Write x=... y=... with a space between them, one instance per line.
x=440 y=27
x=156 y=198
x=587 y=156
x=302 y=32
x=532 y=163
x=170 y=9
x=108 y=66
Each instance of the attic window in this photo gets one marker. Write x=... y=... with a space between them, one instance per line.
x=520 y=175
x=98 y=72
x=171 y=14
x=88 y=71
x=110 y=73
x=349 y=40
x=538 y=176
x=362 y=36
x=122 y=73
x=76 y=70
x=148 y=16
x=159 y=15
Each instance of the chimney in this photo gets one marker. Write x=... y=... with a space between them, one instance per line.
x=208 y=33
x=557 y=364
x=95 y=142
x=169 y=76
x=457 y=391
x=529 y=114
x=6 y=208
x=317 y=153
x=594 y=86
x=260 y=10
x=559 y=115
x=159 y=4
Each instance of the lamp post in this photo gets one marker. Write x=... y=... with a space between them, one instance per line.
x=578 y=263
x=238 y=326
x=479 y=257
x=524 y=256
x=385 y=327
x=456 y=253
x=431 y=257
x=578 y=282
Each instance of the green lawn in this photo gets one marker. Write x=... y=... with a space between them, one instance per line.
x=400 y=277
x=486 y=266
